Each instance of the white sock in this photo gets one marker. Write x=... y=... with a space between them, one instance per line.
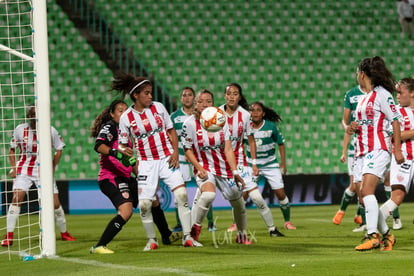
x=60 y=219
x=12 y=216
x=204 y=203
x=146 y=218
x=371 y=213
x=180 y=195
x=263 y=209
x=194 y=208
x=239 y=213
x=384 y=213
x=382 y=223
x=388 y=208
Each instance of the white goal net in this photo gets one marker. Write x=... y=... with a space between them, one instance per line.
x=20 y=77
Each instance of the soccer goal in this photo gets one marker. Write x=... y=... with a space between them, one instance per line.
x=24 y=82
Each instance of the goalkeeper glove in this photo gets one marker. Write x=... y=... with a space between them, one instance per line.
x=124 y=159
x=115 y=153
x=128 y=161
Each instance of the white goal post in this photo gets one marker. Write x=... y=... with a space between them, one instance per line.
x=40 y=60
x=42 y=92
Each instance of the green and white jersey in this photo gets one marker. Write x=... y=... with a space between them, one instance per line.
x=178 y=117
x=268 y=138
x=351 y=101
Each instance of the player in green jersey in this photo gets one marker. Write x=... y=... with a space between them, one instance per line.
x=348 y=153
x=267 y=137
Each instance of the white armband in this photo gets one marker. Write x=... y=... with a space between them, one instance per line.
x=235 y=172
x=254 y=162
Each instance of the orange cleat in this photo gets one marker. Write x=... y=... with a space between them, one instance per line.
x=338 y=217
x=358 y=219
x=289 y=226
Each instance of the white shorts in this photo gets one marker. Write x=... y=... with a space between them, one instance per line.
x=376 y=162
x=185 y=169
x=227 y=186
x=402 y=174
x=273 y=176
x=351 y=160
x=247 y=174
x=150 y=172
x=24 y=182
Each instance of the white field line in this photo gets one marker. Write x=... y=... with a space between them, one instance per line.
x=128 y=267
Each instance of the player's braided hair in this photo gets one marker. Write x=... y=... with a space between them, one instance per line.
x=128 y=84
x=104 y=117
x=378 y=73
x=242 y=102
x=270 y=114
x=408 y=83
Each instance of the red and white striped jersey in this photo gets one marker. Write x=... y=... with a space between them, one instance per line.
x=407 y=123
x=374 y=114
x=148 y=129
x=25 y=139
x=208 y=147
x=239 y=124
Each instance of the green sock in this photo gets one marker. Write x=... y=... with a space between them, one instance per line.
x=388 y=194
x=285 y=208
x=362 y=212
x=210 y=214
x=346 y=199
x=396 y=213
x=177 y=217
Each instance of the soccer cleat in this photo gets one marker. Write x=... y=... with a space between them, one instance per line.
x=232 y=228
x=8 y=240
x=152 y=244
x=188 y=241
x=396 y=224
x=211 y=227
x=100 y=250
x=275 y=233
x=177 y=228
x=173 y=237
x=358 y=219
x=338 y=217
x=243 y=239
x=67 y=237
x=388 y=240
x=361 y=228
x=195 y=231
x=369 y=242
x=289 y=226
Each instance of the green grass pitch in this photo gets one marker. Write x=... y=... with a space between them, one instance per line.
x=317 y=247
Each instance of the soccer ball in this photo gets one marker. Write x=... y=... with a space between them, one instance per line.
x=212 y=119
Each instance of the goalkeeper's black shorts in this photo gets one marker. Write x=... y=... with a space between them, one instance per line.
x=123 y=190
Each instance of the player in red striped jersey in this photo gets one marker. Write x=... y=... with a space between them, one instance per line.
x=115 y=179
x=375 y=114
x=239 y=122
x=215 y=166
x=148 y=123
x=401 y=174
x=26 y=173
